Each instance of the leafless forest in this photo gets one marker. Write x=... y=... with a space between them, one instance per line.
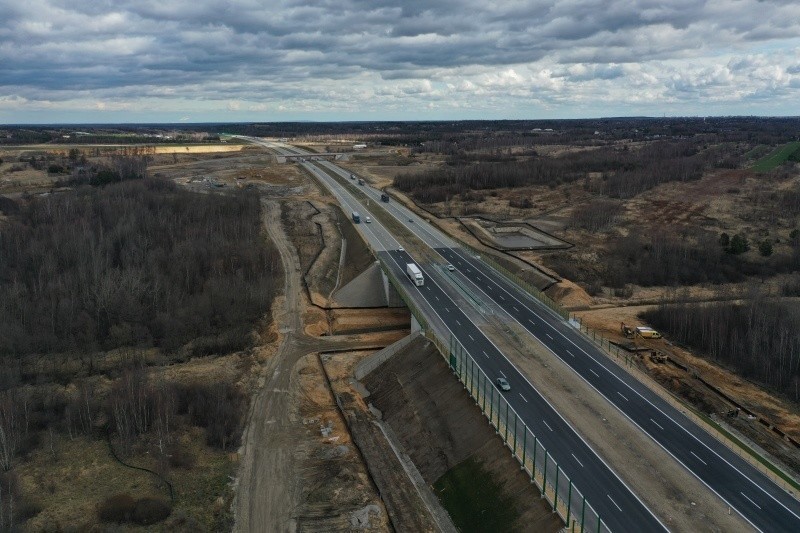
x=625 y=172
x=136 y=264
x=90 y=280
x=758 y=338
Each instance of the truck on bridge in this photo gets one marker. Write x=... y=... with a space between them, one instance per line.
x=415 y=274
x=356 y=217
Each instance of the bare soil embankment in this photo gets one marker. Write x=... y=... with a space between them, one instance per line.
x=440 y=427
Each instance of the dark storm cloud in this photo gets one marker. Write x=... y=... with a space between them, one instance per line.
x=253 y=49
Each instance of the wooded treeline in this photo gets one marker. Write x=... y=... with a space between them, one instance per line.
x=760 y=339
x=661 y=257
x=625 y=172
x=138 y=263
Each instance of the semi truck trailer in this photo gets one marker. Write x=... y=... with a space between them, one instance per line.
x=414 y=274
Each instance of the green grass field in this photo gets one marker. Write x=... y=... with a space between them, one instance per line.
x=474 y=501
x=756 y=152
x=776 y=157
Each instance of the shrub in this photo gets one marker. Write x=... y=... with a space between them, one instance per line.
x=520 y=203
x=180 y=457
x=597 y=215
x=217 y=408
x=8 y=206
x=765 y=248
x=55 y=169
x=149 y=511
x=738 y=245
x=122 y=508
x=118 y=508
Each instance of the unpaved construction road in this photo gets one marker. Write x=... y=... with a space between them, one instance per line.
x=278 y=444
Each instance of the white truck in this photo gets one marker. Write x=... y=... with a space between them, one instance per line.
x=414 y=274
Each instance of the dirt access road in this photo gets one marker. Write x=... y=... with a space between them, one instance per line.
x=279 y=444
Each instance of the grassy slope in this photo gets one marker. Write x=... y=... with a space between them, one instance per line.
x=474 y=500
x=776 y=157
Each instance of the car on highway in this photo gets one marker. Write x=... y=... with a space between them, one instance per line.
x=450 y=268
x=502 y=384
x=401 y=249
x=367 y=220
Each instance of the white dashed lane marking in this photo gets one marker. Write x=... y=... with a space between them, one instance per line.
x=698 y=458
x=751 y=501
x=615 y=503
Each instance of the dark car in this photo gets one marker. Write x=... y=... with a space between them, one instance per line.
x=502 y=384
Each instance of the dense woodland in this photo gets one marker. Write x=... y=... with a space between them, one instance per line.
x=138 y=263
x=126 y=266
x=759 y=339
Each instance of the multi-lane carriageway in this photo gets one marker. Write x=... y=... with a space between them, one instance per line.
x=761 y=502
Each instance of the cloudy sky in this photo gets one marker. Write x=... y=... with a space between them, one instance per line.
x=202 y=60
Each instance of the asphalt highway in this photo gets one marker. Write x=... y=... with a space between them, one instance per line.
x=761 y=502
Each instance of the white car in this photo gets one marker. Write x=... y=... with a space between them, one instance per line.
x=502 y=383
x=367 y=220
x=451 y=268
x=401 y=249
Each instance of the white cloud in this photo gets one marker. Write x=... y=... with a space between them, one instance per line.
x=204 y=58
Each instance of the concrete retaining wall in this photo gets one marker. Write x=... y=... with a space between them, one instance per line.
x=375 y=360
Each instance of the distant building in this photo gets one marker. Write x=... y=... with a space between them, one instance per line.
x=359 y=146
